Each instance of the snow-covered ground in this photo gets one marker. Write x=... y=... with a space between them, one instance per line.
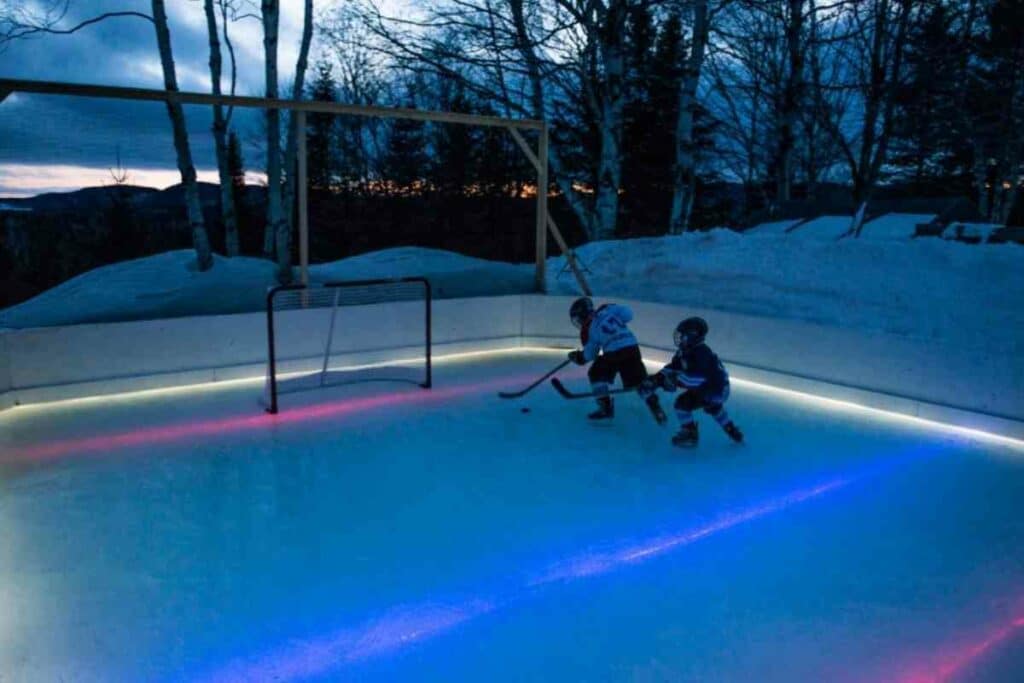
x=894 y=226
x=927 y=289
x=824 y=227
x=377 y=532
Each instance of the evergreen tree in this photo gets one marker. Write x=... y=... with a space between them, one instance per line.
x=648 y=153
x=928 y=151
x=322 y=160
x=405 y=157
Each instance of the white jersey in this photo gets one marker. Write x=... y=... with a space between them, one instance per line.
x=607 y=331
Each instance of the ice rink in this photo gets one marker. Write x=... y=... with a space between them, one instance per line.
x=383 y=532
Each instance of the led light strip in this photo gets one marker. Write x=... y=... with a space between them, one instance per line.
x=221 y=384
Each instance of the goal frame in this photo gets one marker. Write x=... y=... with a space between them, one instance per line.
x=339 y=285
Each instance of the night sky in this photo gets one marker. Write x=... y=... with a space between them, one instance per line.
x=52 y=143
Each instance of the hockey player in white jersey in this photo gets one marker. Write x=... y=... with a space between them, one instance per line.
x=611 y=347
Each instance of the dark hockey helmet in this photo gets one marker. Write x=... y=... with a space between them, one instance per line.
x=581 y=310
x=690 y=332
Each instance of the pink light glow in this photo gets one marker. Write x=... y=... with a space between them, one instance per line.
x=252 y=422
x=956 y=659
x=406 y=625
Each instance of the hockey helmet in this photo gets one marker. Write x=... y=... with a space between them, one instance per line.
x=690 y=333
x=581 y=310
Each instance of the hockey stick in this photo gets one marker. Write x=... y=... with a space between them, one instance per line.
x=561 y=389
x=517 y=394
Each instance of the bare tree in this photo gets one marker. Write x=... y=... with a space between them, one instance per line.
x=872 y=58
x=522 y=55
x=276 y=238
x=298 y=87
x=222 y=116
x=685 y=171
x=21 y=21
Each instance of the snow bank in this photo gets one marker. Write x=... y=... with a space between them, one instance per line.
x=824 y=227
x=930 y=290
x=970 y=231
x=168 y=285
x=165 y=285
x=773 y=228
x=895 y=226
x=925 y=289
x=451 y=275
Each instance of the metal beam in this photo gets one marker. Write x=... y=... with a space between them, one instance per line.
x=143 y=94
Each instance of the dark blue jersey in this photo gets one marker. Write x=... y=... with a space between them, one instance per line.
x=697 y=368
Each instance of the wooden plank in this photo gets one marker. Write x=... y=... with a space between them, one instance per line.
x=570 y=256
x=525 y=146
x=552 y=226
x=302 y=192
x=542 y=210
x=143 y=94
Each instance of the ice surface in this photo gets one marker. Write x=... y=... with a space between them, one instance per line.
x=380 y=532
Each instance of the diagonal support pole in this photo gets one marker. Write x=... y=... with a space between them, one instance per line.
x=570 y=256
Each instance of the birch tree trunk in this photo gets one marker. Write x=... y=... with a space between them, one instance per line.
x=220 y=138
x=613 y=102
x=525 y=46
x=200 y=240
x=792 y=99
x=291 y=149
x=276 y=243
x=685 y=172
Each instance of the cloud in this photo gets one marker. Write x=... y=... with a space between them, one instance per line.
x=89 y=133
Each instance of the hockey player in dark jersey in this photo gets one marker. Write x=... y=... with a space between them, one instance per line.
x=697 y=370
x=611 y=346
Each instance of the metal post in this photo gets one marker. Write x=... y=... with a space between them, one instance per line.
x=302 y=191
x=542 y=209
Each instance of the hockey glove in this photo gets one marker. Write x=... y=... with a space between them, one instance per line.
x=577 y=357
x=662 y=380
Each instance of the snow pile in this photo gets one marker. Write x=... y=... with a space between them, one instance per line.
x=970 y=231
x=168 y=285
x=927 y=289
x=895 y=226
x=773 y=228
x=450 y=274
x=163 y=286
x=824 y=227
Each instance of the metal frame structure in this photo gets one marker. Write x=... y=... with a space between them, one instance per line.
x=538 y=158
x=339 y=285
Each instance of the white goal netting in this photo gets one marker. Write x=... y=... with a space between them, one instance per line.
x=343 y=332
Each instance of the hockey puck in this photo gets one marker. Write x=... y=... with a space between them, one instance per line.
x=524 y=410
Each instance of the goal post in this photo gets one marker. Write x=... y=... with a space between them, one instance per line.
x=317 y=335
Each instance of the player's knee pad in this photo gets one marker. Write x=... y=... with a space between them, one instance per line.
x=713 y=409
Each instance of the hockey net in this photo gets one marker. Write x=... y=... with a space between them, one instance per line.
x=345 y=332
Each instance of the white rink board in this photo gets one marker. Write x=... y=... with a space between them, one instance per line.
x=874 y=369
